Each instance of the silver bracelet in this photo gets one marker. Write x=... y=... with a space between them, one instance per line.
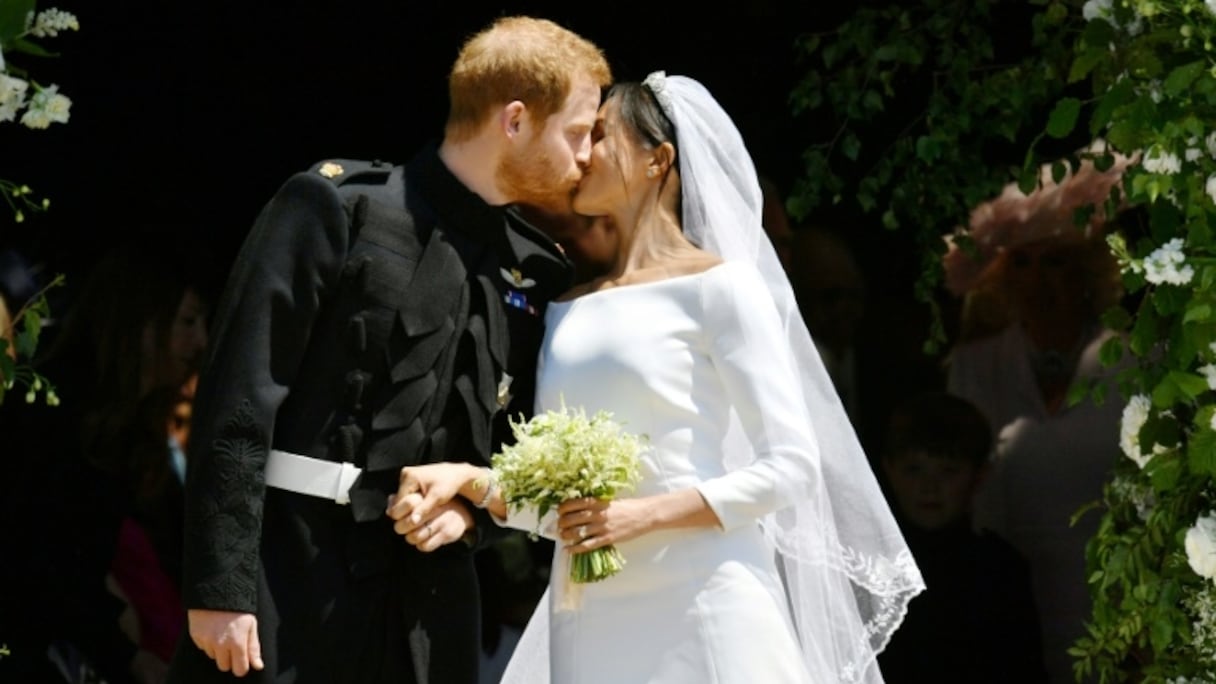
x=491 y=484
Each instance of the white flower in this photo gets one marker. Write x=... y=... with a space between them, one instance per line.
x=46 y=107
x=1210 y=143
x=55 y=105
x=1211 y=5
x=1193 y=154
x=50 y=22
x=1154 y=92
x=1212 y=423
x=1201 y=605
x=1167 y=264
x=1212 y=347
x=1159 y=161
x=12 y=96
x=1140 y=495
x=36 y=118
x=1201 y=547
x=1210 y=187
x=1209 y=373
x=1135 y=415
x=1097 y=9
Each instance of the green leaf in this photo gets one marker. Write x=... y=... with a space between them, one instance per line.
x=1077 y=393
x=1145 y=332
x=1056 y=12
x=1085 y=63
x=26 y=47
x=1201 y=452
x=1058 y=171
x=1111 y=351
x=1063 y=117
x=889 y=220
x=872 y=101
x=927 y=149
x=12 y=18
x=1190 y=384
x=1197 y=313
x=26 y=342
x=8 y=367
x=1180 y=79
x=850 y=146
x=1117 y=318
x=1164 y=472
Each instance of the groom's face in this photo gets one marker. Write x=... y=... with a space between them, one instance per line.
x=544 y=169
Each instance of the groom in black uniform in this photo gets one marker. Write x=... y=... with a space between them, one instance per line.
x=379 y=316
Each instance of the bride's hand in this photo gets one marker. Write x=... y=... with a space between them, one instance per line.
x=422 y=489
x=589 y=523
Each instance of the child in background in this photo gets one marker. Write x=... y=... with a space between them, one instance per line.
x=976 y=621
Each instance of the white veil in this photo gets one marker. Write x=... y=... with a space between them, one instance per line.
x=848 y=572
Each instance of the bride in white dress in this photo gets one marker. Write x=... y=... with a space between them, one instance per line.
x=758 y=546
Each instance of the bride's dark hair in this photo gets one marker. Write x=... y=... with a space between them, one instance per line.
x=641 y=112
x=642 y=115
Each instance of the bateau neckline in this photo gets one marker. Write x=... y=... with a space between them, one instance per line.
x=643 y=284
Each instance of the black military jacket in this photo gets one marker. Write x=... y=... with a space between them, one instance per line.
x=376 y=314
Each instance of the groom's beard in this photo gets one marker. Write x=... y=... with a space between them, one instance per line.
x=531 y=178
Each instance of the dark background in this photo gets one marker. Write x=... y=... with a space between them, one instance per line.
x=187 y=116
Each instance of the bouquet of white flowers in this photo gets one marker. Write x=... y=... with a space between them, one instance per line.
x=562 y=455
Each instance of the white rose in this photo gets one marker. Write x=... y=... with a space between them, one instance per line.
x=1201 y=547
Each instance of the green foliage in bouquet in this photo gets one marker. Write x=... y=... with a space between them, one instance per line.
x=1140 y=75
x=566 y=454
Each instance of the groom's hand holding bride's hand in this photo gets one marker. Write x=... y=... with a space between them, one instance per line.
x=426 y=509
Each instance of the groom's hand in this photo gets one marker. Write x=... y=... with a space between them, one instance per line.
x=230 y=639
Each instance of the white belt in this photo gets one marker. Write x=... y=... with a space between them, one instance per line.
x=312 y=476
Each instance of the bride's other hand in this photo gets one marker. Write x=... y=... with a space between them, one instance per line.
x=589 y=523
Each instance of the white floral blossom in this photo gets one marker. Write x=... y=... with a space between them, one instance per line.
x=1192 y=154
x=1140 y=495
x=1159 y=161
x=1209 y=373
x=1135 y=415
x=50 y=22
x=47 y=106
x=12 y=96
x=56 y=105
x=36 y=119
x=1098 y=9
x=1211 y=5
x=1201 y=605
x=1167 y=264
x=1210 y=187
x=1201 y=546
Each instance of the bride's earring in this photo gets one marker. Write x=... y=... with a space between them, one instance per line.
x=651 y=172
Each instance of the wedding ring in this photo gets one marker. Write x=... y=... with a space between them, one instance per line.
x=427 y=527
x=581 y=530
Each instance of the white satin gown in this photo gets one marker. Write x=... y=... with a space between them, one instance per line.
x=669 y=359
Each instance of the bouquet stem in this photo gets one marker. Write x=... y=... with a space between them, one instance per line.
x=596 y=565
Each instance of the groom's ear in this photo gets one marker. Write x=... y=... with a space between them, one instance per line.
x=512 y=118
